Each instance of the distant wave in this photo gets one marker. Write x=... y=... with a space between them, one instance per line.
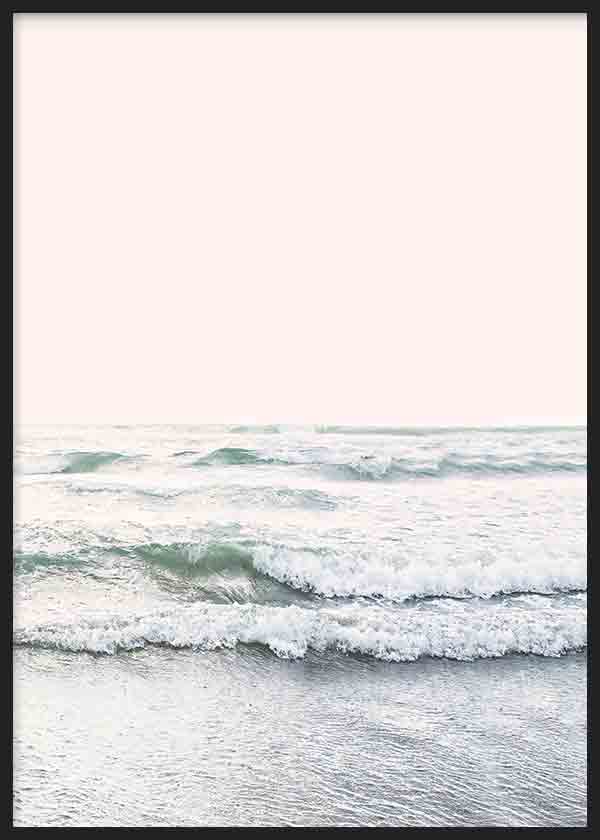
x=457 y=632
x=425 y=431
x=377 y=430
x=231 y=455
x=79 y=462
x=242 y=496
x=376 y=467
x=368 y=466
x=258 y=430
x=239 y=496
x=124 y=489
x=73 y=462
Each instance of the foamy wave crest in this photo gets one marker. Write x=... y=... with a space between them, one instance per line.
x=527 y=465
x=370 y=467
x=460 y=632
x=344 y=575
x=379 y=467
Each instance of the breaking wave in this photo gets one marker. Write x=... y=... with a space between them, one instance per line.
x=458 y=632
x=207 y=559
x=335 y=574
x=354 y=574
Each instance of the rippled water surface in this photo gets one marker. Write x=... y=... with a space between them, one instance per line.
x=299 y=626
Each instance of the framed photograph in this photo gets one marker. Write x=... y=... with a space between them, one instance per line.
x=300 y=415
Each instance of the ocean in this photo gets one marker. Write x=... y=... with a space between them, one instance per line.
x=299 y=626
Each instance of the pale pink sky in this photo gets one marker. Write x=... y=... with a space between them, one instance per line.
x=357 y=219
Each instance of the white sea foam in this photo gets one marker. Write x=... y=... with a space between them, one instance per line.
x=454 y=630
x=351 y=574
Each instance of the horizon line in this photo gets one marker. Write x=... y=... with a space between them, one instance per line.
x=519 y=425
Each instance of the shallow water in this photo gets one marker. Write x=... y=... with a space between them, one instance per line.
x=311 y=626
